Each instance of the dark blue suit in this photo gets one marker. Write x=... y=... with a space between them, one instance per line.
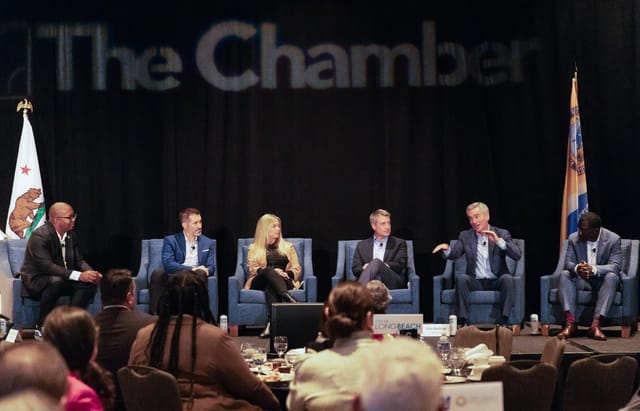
x=173 y=257
x=466 y=282
x=173 y=253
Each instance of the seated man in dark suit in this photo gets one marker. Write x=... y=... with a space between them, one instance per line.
x=53 y=265
x=382 y=256
x=185 y=250
x=118 y=323
x=485 y=248
x=592 y=262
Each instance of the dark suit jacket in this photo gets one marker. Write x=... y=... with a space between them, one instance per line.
x=118 y=328
x=173 y=253
x=43 y=256
x=467 y=245
x=395 y=255
x=608 y=258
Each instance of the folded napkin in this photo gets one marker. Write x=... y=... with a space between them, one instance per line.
x=479 y=351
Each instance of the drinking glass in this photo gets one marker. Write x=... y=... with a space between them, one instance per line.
x=457 y=359
x=280 y=344
x=248 y=350
x=259 y=356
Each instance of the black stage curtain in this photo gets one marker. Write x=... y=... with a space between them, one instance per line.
x=486 y=120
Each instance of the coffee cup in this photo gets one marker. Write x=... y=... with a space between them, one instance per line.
x=496 y=360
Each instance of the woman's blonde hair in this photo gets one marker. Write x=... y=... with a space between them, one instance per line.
x=261 y=238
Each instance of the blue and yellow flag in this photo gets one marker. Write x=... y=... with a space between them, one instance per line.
x=574 y=201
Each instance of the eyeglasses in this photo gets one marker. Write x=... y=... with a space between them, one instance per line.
x=70 y=217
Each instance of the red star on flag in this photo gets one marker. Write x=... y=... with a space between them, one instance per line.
x=25 y=170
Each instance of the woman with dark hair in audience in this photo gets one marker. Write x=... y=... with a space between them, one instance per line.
x=72 y=331
x=273 y=264
x=209 y=368
x=327 y=380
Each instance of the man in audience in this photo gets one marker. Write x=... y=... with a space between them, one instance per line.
x=382 y=256
x=592 y=262
x=485 y=248
x=33 y=365
x=118 y=323
x=401 y=374
x=186 y=250
x=53 y=265
x=381 y=297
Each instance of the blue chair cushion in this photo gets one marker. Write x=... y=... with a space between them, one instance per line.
x=401 y=296
x=16 y=255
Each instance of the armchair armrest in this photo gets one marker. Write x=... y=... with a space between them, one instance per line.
x=339 y=275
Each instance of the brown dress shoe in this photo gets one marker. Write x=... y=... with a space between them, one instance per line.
x=571 y=330
x=596 y=333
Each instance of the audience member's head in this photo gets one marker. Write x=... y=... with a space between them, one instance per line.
x=118 y=288
x=33 y=364
x=186 y=293
x=30 y=400
x=401 y=374
x=380 y=294
x=348 y=309
x=74 y=333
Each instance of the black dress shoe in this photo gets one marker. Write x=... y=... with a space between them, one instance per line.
x=287 y=298
x=265 y=333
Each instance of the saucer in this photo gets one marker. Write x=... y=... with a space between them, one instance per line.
x=479 y=367
x=454 y=379
x=475 y=377
x=445 y=370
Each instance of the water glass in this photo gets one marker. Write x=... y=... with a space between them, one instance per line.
x=248 y=350
x=457 y=359
x=280 y=344
x=259 y=356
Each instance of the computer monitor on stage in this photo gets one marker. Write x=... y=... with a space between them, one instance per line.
x=300 y=322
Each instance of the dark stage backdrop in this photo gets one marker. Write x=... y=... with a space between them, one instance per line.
x=321 y=112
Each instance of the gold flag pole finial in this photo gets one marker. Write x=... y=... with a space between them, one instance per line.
x=25 y=105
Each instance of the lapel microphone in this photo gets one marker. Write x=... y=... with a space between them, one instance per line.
x=484 y=243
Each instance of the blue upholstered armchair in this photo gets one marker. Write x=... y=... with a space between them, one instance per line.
x=623 y=311
x=151 y=259
x=485 y=305
x=404 y=300
x=249 y=307
x=23 y=310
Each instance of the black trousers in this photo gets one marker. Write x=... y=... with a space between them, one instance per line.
x=273 y=286
x=80 y=293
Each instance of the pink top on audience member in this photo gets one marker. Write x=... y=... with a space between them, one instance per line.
x=81 y=397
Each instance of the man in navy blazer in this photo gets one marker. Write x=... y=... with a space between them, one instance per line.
x=485 y=248
x=382 y=256
x=592 y=262
x=185 y=250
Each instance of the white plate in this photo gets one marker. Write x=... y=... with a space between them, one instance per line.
x=474 y=377
x=445 y=370
x=479 y=367
x=454 y=379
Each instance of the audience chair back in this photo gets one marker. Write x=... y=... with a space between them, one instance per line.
x=485 y=307
x=403 y=300
x=525 y=389
x=147 y=388
x=553 y=351
x=600 y=383
x=498 y=339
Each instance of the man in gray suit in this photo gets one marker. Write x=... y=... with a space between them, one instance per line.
x=592 y=262
x=485 y=248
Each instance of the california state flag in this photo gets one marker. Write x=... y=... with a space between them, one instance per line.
x=26 y=208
